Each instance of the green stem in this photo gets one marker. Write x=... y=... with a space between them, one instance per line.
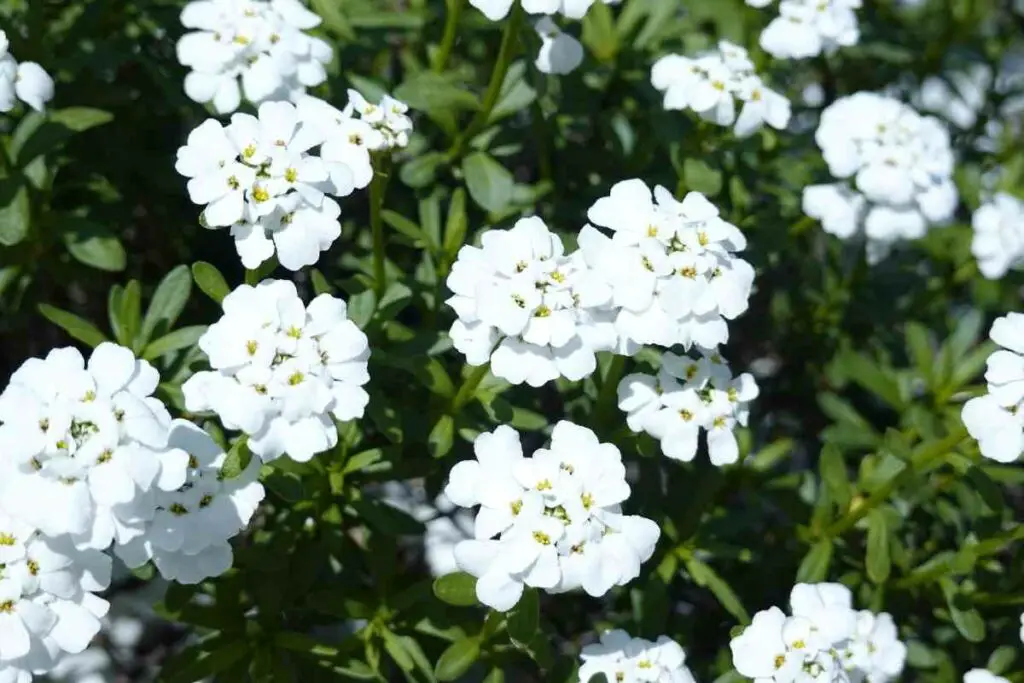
x=451 y=30
x=378 y=187
x=918 y=463
x=607 y=395
x=509 y=43
x=469 y=386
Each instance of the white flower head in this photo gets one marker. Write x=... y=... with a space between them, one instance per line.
x=48 y=605
x=713 y=83
x=82 y=442
x=620 y=657
x=496 y=10
x=893 y=168
x=808 y=28
x=282 y=371
x=671 y=265
x=187 y=536
x=996 y=419
x=256 y=48
x=687 y=396
x=522 y=304
x=26 y=81
x=551 y=521
x=262 y=178
x=560 y=53
x=983 y=676
x=998 y=242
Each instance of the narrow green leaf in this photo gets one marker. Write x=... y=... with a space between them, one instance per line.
x=457 y=223
x=814 y=567
x=966 y=618
x=80 y=329
x=207 y=663
x=833 y=472
x=60 y=126
x=362 y=460
x=489 y=183
x=705 y=576
x=181 y=338
x=524 y=618
x=15 y=212
x=457 y=659
x=457 y=589
x=237 y=459
x=93 y=244
x=320 y=283
x=432 y=92
x=1001 y=659
x=130 y=314
x=210 y=281
x=396 y=648
x=919 y=349
x=442 y=437
x=405 y=226
x=878 y=561
x=168 y=302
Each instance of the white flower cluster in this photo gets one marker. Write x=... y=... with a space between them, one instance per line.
x=25 y=81
x=686 y=396
x=261 y=178
x=89 y=459
x=282 y=370
x=808 y=28
x=261 y=44
x=901 y=167
x=48 y=605
x=712 y=83
x=824 y=639
x=496 y=10
x=620 y=657
x=671 y=266
x=556 y=515
x=998 y=242
x=547 y=309
x=983 y=676
x=996 y=419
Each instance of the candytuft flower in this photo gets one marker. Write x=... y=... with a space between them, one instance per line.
x=808 y=28
x=25 y=81
x=998 y=242
x=620 y=657
x=996 y=419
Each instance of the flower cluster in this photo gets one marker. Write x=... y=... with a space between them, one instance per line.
x=983 y=676
x=620 y=657
x=998 y=242
x=671 y=266
x=556 y=516
x=260 y=44
x=282 y=370
x=25 y=81
x=496 y=10
x=688 y=395
x=712 y=83
x=188 y=536
x=808 y=28
x=996 y=419
x=901 y=167
x=48 y=605
x=547 y=309
x=823 y=639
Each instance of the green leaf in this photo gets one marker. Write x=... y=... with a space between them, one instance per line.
x=919 y=349
x=361 y=308
x=701 y=177
x=93 y=244
x=457 y=589
x=814 y=567
x=405 y=226
x=363 y=460
x=396 y=648
x=495 y=676
x=421 y=170
x=457 y=659
x=80 y=329
x=199 y=662
x=599 y=32
x=210 y=281
x=238 y=458
x=1001 y=659
x=966 y=618
x=878 y=561
x=871 y=376
x=320 y=283
x=15 y=212
x=130 y=315
x=705 y=576
x=182 y=338
x=442 y=436
x=387 y=518
x=168 y=302
x=834 y=474
x=457 y=223
x=524 y=618
x=489 y=183
x=515 y=95
x=60 y=126
x=434 y=92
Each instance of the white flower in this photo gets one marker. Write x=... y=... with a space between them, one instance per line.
x=187 y=537
x=547 y=310
x=998 y=242
x=260 y=44
x=26 y=81
x=560 y=53
x=82 y=442
x=983 y=676
x=714 y=82
x=687 y=396
x=996 y=419
x=671 y=267
x=496 y=10
x=808 y=28
x=876 y=653
x=620 y=657
x=900 y=164
x=48 y=604
x=282 y=370
x=551 y=521
x=389 y=118
x=261 y=177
